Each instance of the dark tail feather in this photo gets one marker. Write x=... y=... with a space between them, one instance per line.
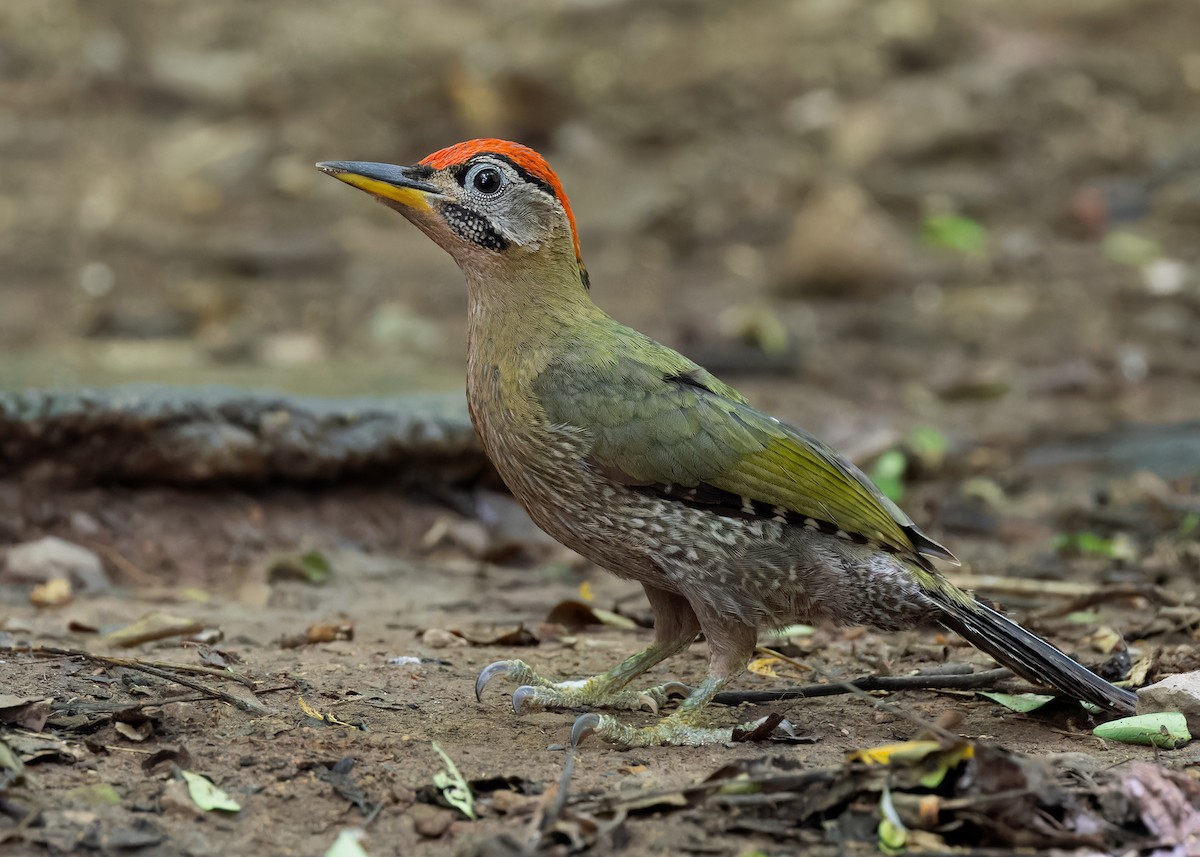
x=1028 y=655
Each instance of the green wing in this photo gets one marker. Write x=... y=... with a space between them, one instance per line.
x=671 y=424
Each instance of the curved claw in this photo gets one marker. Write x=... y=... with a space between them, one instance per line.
x=584 y=726
x=521 y=696
x=648 y=702
x=488 y=673
x=676 y=690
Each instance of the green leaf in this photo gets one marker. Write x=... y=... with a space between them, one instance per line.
x=791 y=631
x=954 y=232
x=206 y=795
x=1022 y=703
x=1119 y=546
x=1188 y=525
x=1166 y=729
x=452 y=785
x=1084 y=617
x=892 y=834
x=12 y=769
x=741 y=785
x=888 y=474
x=928 y=446
x=95 y=795
x=311 y=567
x=1129 y=248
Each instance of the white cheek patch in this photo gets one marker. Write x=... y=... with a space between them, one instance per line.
x=527 y=217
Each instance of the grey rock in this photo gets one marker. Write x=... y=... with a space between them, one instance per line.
x=840 y=239
x=51 y=557
x=1174 y=693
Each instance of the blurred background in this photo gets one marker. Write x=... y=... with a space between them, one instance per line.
x=978 y=214
x=955 y=238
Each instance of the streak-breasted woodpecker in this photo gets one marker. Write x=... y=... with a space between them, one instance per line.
x=640 y=460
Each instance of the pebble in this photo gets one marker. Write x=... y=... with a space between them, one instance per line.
x=430 y=821
x=440 y=638
x=841 y=240
x=1165 y=277
x=1174 y=693
x=51 y=557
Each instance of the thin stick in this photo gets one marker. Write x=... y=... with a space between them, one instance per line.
x=969 y=681
x=150 y=669
x=133 y=663
x=139 y=575
x=767 y=650
x=1081 y=593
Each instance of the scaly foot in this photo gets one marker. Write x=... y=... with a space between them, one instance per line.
x=602 y=691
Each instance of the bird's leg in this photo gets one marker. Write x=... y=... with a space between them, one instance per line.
x=675 y=627
x=730 y=643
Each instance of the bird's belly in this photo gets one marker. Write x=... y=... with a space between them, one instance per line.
x=764 y=572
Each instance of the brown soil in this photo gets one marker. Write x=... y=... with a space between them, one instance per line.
x=161 y=222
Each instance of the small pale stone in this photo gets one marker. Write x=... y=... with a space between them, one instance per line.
x=509 y=802
x=51 y=557
x=430 y=821
x=1165 y=276
x=440 y=638
x=1174 y=693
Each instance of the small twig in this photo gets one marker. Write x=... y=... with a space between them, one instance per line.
x=132 y=663
x=150 y=668
x=782 y=782
x=997 y=585
x=767 y=650
x=136 y=573
x=113 y=707
x=1081 y=594
x=1119 y=591
x=976 y=800
x=968 y=681
x=241 y=704
x=551 y=806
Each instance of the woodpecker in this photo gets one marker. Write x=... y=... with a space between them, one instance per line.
x=640 y=460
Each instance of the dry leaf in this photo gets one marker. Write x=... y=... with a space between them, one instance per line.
x=764 y=667
x=135 y=732
x=153 y=626
x=53 y=593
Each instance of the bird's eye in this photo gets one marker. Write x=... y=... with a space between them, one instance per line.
x=486 y=179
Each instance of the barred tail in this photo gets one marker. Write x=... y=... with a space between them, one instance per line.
x=1026 y=654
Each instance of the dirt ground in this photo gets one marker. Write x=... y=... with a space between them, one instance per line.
x=875 y=219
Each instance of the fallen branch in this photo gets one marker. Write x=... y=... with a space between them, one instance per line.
x=966 y=681
x=1083 y=594
x=158 y=669
x=1156 y=595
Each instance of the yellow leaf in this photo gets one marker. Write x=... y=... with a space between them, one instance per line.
x=309 y=710
x=585 y=591
x=331 y=719
x=764 y=667
x=938 y=759
x=153 y=626
x=904 y=751
x=53 y=593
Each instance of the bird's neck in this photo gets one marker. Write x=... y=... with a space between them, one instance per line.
x=520 y=319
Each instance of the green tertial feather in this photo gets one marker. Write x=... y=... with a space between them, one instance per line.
x=657 y=419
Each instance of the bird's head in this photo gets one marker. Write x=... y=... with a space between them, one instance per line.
x=495 y=206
